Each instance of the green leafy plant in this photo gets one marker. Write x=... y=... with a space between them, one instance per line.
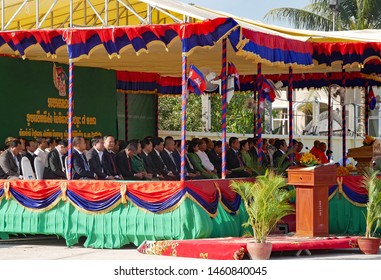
x=266 y=201
x=373 y=206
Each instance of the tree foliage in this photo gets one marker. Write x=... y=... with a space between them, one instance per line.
x=352 y=15
x=239 y=118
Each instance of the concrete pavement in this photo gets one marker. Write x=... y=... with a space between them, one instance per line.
x=52 y=248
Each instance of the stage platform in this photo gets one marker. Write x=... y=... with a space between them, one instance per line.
x=235 y=248
x=111 y=214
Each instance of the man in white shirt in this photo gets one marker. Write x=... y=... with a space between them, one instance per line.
x=40 y=151
x=204 y=157
x=95 y=158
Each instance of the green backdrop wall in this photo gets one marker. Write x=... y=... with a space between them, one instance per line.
x=31 y=105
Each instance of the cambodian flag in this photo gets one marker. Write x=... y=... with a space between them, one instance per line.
x=232 y=70
x=196 y=80
x=267 y=91
x=371 y=99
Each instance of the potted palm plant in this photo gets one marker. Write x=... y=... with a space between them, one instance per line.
x=369 y=244
x=266 y=202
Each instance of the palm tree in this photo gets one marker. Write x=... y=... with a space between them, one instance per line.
x=352 y=15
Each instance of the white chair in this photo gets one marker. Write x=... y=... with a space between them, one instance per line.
x=39 y=167
x=27 y=170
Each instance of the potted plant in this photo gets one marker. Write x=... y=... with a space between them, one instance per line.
x=371 y=244
x=266 y=202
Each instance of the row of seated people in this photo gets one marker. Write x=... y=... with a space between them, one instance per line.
x=153 y=158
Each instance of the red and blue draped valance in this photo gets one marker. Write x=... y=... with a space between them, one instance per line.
x=346 y=53
x=80 y=42
x=103 y=196
x=351 y=187
x=135 y=82
x=272 y=48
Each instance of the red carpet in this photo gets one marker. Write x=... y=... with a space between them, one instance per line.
x=235 y=248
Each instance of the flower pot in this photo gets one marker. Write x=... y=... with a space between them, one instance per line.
x=259 y=251
x=369 y=245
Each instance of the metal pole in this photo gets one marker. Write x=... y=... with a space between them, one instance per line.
x=184 y=101
x=329 y=117
x=37 y=12
x=70 y=119
x=343 y=120
x=290 y=112
x=223 y=107
x=259 y=118
x=126 y=117
x=71 y=13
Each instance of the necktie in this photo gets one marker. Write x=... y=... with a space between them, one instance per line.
x=129 y=164
x=112 y=162
x=87 y=167
x=173 y=160
x=189 y=162
x=239 y=160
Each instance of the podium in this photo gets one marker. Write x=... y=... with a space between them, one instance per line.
x=365 y=155
x=312 y=184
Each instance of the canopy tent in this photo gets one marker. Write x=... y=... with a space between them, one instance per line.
x=192 y=34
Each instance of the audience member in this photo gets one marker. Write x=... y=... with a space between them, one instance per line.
x=55 y=168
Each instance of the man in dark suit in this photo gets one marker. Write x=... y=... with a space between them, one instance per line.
x=124 y=162
x=234 y=161
x=191 y=173
x=30 y=146
x=55 y=168
x=95 y=157
x=158 y=146
x=215 y=157
x=167 y=156
x=280 y=157
x=10 y=161
x=81 y=168
x=109 y=163
x=147 y=160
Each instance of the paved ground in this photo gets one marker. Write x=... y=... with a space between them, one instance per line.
x=51 y=248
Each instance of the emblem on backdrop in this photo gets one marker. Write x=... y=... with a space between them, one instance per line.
x=59 y=79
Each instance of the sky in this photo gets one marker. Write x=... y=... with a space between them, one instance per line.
x=252 y=9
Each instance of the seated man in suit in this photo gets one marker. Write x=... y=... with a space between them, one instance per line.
x=234 y=161
x=147 y=147
x=280 y=157
x=124 y=162
x=55 y=168
x=81 y=168
x=191 y=172
x=109 y=162
x=10 y=161
x=95 y=158
x=158 y=147
x=30 y=147
x=167 y=156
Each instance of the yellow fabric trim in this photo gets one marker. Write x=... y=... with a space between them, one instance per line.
x=175 y=206
x=46 y=209
x=105 y=211
x=220 y=200
x=7 y=191
x=123 y=196
x=340 y=191
x=63 y=187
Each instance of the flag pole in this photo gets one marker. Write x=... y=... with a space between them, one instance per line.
x=184 y=100
x=343 y=120
x=259 y=119
x=70 y=119
x=223 y=107
x=290 y=112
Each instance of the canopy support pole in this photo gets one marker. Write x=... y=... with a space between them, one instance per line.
x=156 y=115
x=184 y=101
x=223 y=107
x=126 y=117
x=366 y=125
x=70 y=119
x=290 y=112
x=259 y=118
x=343 y=119
x=329 y=116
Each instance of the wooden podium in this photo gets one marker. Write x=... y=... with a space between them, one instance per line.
x=365 y=156
x=312 y=185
